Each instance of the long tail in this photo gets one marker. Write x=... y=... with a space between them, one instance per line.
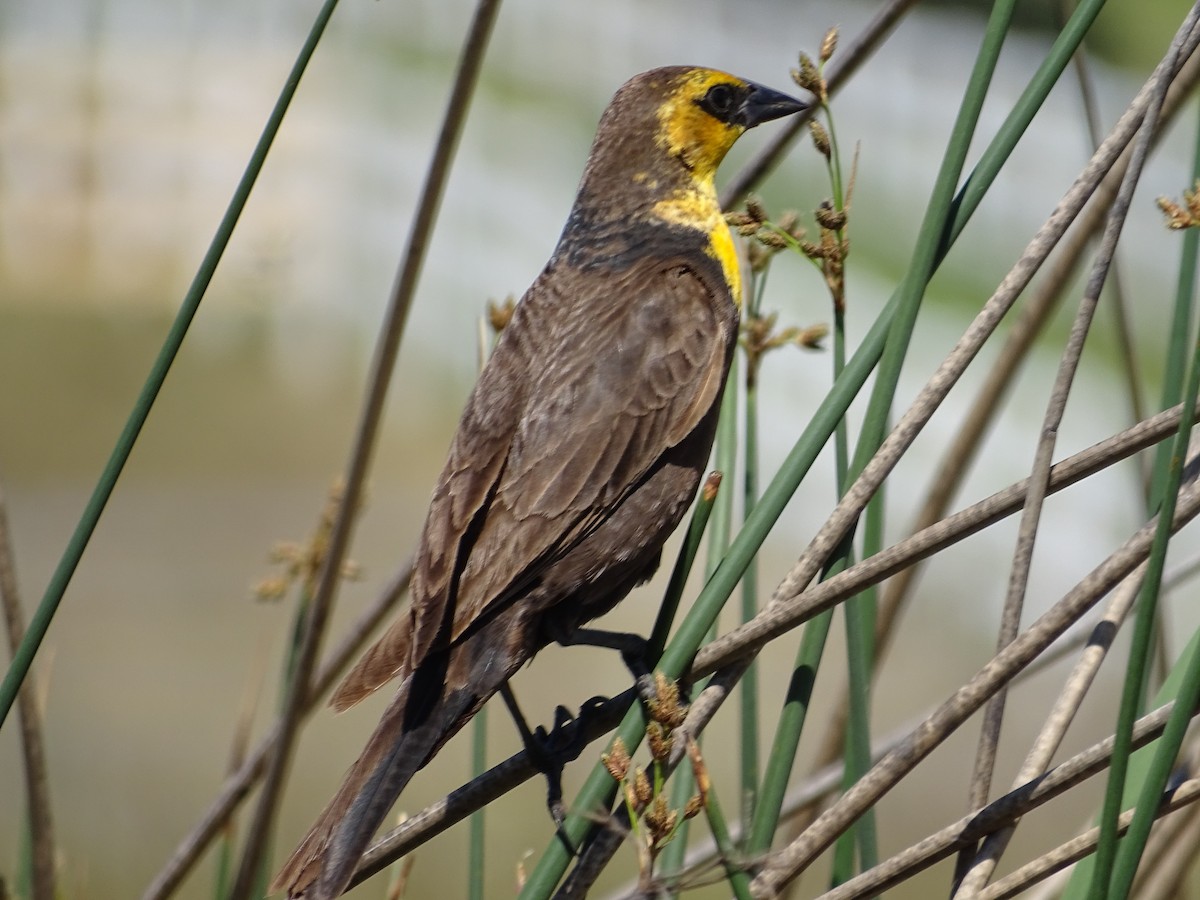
x=322 y=866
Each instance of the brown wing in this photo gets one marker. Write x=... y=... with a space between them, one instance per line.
x=477 y=456
x=630 y=380
x=615 y=374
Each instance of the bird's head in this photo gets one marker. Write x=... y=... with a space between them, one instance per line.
x=702 y=112
x=656 y=151
x=668 y=129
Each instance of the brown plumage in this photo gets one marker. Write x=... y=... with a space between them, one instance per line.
x=580 y=449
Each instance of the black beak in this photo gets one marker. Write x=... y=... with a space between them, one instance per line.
x=762 y=104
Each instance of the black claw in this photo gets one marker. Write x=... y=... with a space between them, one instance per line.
x=562 y=718
x=591 y=706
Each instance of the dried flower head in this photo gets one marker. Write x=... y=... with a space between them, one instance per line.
x=828 y=44
x=829 y=217
x=666 y=707
x=272 y=588
x=641 y=787
x=808 y=76
x=302 y=562
x=1177 y=216
x=810 y=338
x=660 y=819
x=771 y=239
x=660 y=741
x=616 y=761
x=1186 y=215
x=820 y=138
x=831 y=247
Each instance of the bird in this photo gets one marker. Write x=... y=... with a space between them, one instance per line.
x=580 y=448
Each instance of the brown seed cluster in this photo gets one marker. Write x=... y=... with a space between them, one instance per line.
x=1185 y=215
x=769 y=237
x=832 y=246
x=301 y=563
x=828 y=45
x=820 y=139
x=654 y=821
x=759 y=336
x=759 y=333
x=810 y=75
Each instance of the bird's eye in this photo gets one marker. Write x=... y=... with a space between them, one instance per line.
x=719 y=100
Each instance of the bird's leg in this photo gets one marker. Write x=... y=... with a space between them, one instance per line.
x=551 y=751
x=540 y=754
x=632 y=648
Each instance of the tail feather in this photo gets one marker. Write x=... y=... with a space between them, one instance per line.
x=382 y=662
x=322 y=866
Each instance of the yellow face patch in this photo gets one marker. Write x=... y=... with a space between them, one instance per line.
x=691 y=133
x=701 y=141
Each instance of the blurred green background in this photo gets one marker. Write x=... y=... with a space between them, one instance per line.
x=124 y=126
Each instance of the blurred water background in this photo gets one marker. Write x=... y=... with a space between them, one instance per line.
x=124 y=126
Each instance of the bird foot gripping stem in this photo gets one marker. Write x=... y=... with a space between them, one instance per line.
x=551 y=750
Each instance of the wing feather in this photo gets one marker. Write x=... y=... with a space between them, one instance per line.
x=607 y=405
x=477 y=456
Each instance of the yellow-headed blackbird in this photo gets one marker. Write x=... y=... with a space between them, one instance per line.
x=580 y=448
